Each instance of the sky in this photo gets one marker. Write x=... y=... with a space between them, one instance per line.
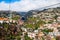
x=25 y=5
x=9 y=1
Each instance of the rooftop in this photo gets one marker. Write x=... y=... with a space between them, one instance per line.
x=3 y=18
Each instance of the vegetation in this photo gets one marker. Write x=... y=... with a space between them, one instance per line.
x=55 y=17
x=34 y=23
x=27 y=38
x=16 y=17
x=9 y=32
x=47 y=30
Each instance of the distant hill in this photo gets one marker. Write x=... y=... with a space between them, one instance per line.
x=45 y=10
x=7 y=13
x=31 y=12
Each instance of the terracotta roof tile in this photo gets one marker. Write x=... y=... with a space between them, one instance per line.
x=4 y=18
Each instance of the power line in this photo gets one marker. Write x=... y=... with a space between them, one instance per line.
x=49 y=6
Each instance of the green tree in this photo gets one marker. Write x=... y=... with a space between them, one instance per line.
x=16 y=17
x=55 y=17
x=27 y=38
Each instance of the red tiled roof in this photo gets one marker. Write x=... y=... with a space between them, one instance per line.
x=3 y=18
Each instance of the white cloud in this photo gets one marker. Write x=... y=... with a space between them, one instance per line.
x=4 y=6
x=26 y=5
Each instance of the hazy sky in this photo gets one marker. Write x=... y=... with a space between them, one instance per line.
x=25 y=5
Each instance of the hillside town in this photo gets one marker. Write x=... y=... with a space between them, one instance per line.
x=35 y=25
